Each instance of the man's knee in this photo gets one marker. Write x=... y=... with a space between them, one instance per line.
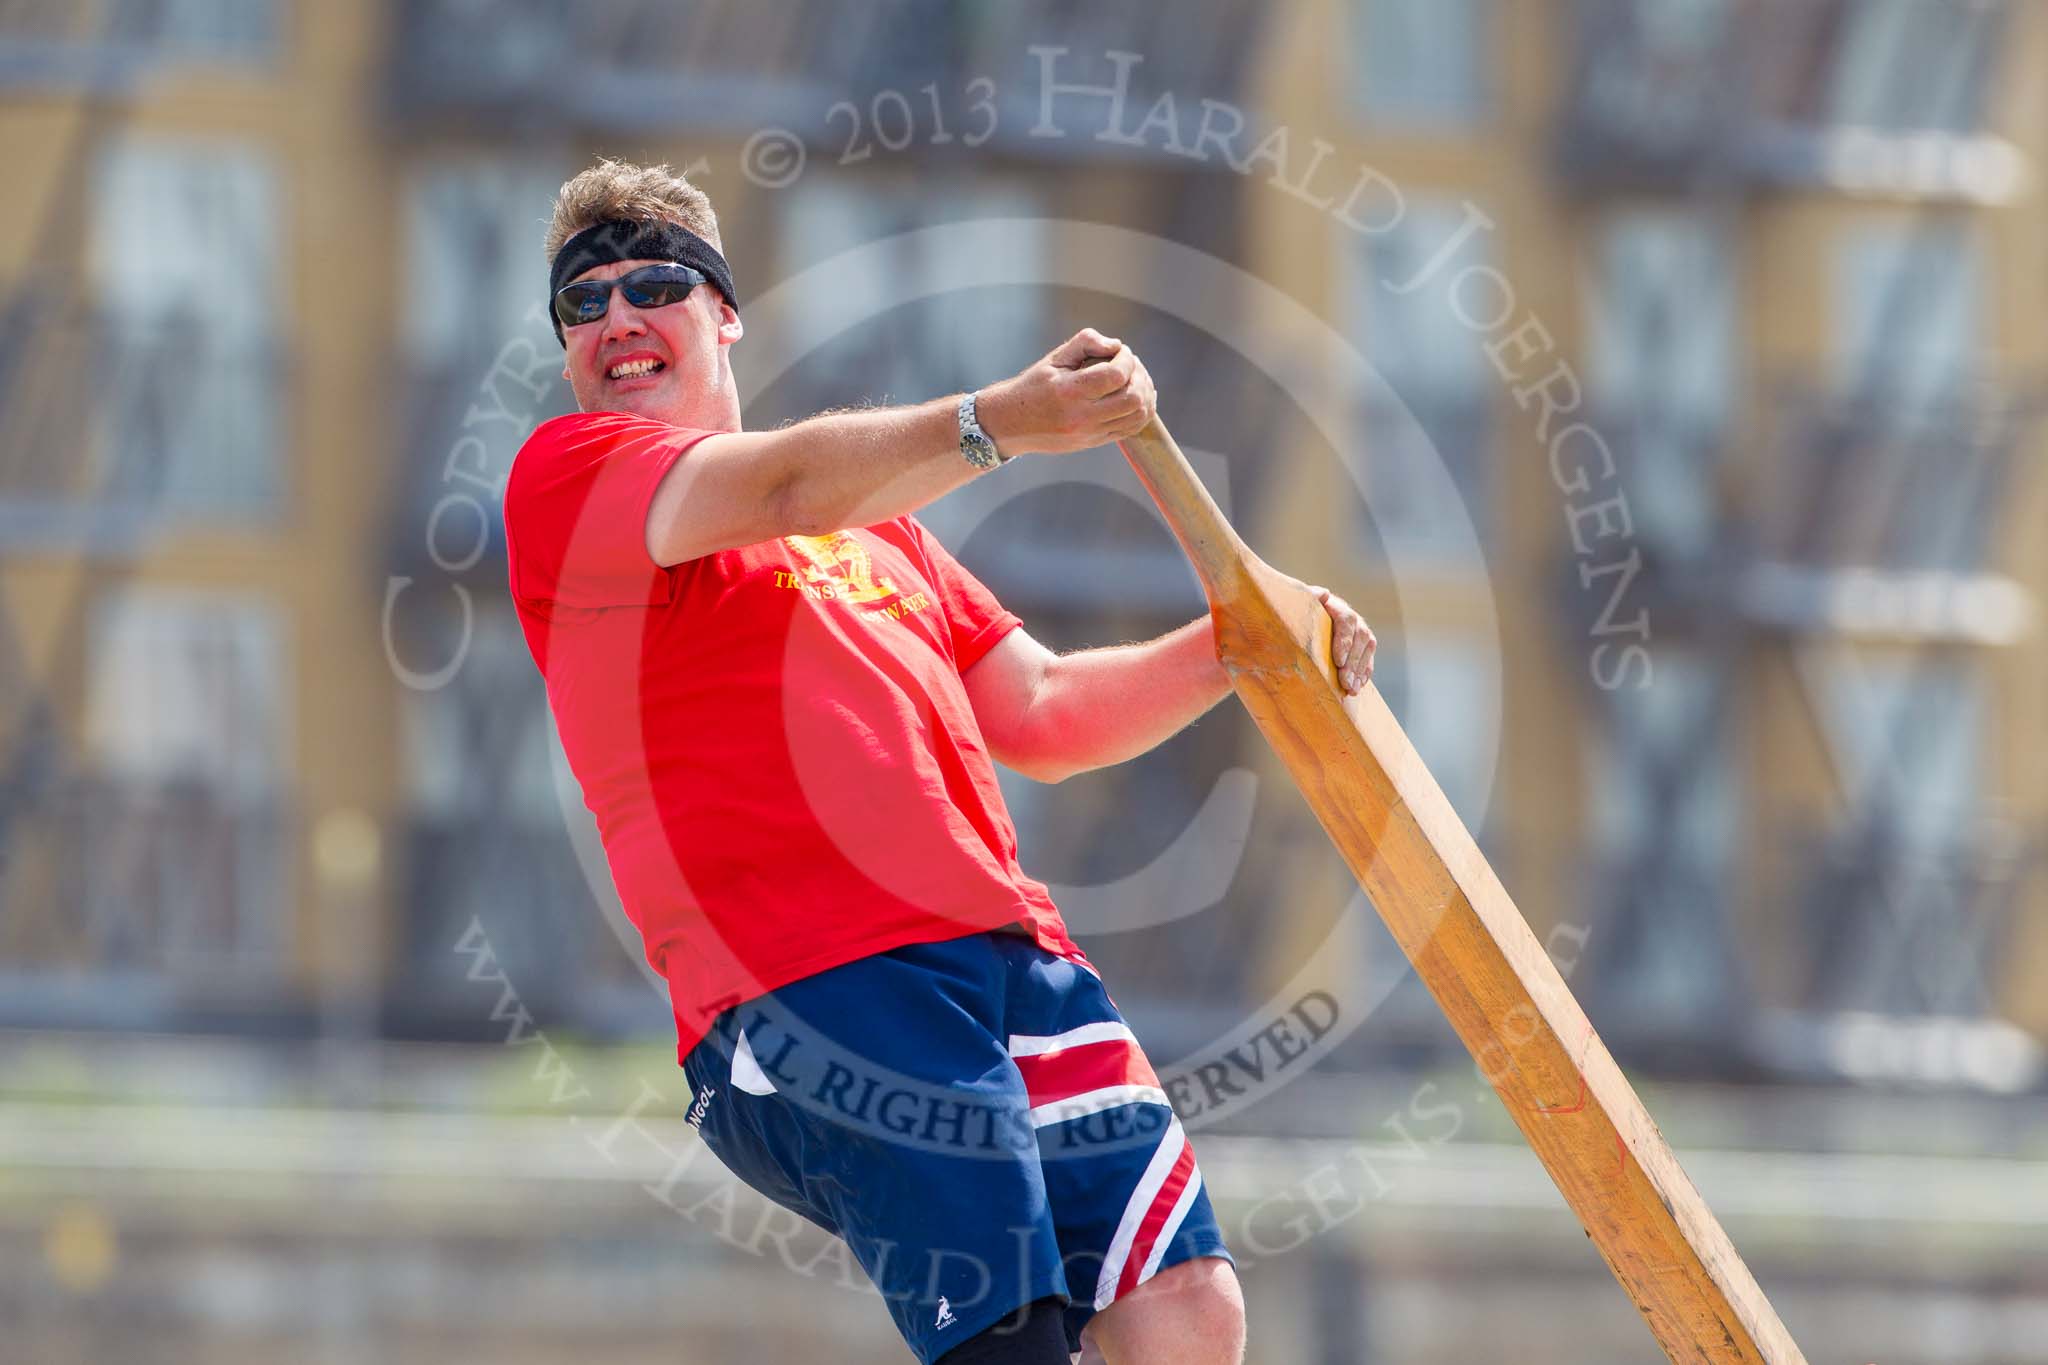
x=1207 y=1293
x=1193 y=1311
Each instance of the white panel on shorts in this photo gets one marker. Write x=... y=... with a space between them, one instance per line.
x=747 y=1074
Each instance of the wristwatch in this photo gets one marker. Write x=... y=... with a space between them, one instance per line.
x=975 y=445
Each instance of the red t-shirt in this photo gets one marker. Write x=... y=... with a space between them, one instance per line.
x=774 y=740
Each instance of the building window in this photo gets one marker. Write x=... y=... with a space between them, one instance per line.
x=198 y=30
x=1905 y=900
x=1443 y=685
x=1900 y=462
x=1421 y=63
x=854 y=340
x=481 y=746
x=1908 y=315
x=1652 y=72
x=190 y=287
x=1662 y=373
x=474 y=277
x=59 y=32
x=1444 y=682
x=1664 y=822
x=1427 y=432
x=1913 y=66
x=1906 y=739
x=473 y=282
x=181 y=841
x=486 y=838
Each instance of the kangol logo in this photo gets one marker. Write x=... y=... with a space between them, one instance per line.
x=701 y=1107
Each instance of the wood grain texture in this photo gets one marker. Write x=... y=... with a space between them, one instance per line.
x=1469 y=944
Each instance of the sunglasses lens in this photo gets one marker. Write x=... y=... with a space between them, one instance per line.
x=581 y=303
x=656 y=290
x=656 y=286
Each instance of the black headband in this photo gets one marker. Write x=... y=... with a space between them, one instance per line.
x=621 y=240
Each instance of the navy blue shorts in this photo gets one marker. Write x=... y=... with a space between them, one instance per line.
x=973 y=1117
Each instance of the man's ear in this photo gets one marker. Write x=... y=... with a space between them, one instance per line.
x=730 y=328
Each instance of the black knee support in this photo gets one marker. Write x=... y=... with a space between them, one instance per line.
x=1035 y=1334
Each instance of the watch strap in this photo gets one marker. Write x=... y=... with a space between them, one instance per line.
x=975 y=444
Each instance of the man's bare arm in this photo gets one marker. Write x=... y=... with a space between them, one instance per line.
x=855 y=468
x=1050 y=716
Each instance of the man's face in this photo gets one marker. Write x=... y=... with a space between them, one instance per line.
x=666 y=363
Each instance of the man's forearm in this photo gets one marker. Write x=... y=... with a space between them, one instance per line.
x=859 y=467
x=856 y=468
x=1103 y=706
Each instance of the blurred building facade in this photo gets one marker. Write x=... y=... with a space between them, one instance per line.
x=1778 y=257
x=1765 y=688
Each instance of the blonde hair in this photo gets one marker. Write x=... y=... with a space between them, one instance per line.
x=637 y=194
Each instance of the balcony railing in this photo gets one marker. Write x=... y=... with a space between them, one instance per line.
x=1909 y=926
x=1871 y=516
x=1885 y=959
x=1875 y=518
x=1663 y=959
x=736 y=65
x=713 y=64
x=1902 y=954
x=176 y=888
x=1425 y=463
x=1877 y=95
x=103 y=45
x=1863 y=518
x=157 y=905
x=105 y=435
x=1196 y=49
x=498 y=883
x=1871 y=484
x=444 y=450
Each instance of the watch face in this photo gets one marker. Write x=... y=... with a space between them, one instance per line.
x=978 y=449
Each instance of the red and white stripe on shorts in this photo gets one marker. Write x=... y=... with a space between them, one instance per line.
x=1100 y=1066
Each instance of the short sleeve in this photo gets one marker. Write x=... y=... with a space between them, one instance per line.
x=973 y=615
x=576 y=510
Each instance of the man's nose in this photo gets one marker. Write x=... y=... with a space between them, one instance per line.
x=622 y=319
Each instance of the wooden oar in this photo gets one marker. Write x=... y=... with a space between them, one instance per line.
x=1468 y=943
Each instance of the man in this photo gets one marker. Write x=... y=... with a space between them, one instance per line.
x=784 y=700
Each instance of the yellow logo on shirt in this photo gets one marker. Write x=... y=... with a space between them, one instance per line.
x=838 y=567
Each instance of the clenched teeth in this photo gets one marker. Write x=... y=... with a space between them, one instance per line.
x=632 y=369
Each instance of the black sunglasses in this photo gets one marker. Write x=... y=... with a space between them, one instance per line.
x=651 y=286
